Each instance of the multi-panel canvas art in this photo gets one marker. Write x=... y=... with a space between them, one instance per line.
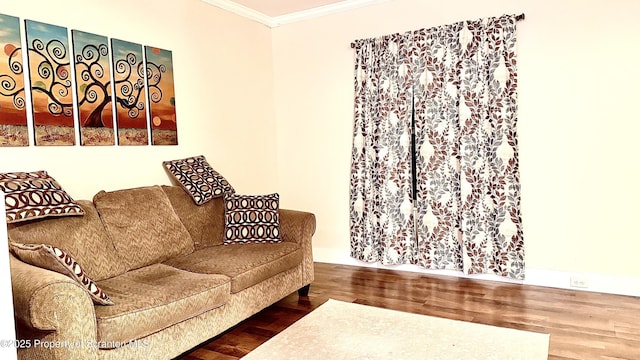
x=114 y=91
x=93 y=88
x=130 y=94
x=13 y=114
x=162 y=105
x=51 y=88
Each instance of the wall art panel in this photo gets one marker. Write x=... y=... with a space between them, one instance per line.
x=162 y=105
x=51 y=88
x=93 y=88
x=130 y=93
x=14 y=130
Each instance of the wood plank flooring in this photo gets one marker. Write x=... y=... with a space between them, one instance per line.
x=582 y=325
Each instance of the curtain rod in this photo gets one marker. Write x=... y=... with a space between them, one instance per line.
x=518 y=18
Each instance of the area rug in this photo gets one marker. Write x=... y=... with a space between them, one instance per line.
x=342 y=330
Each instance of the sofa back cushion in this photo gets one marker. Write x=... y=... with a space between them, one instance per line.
x=204 y=222
x=82 y=237
x=142 y=225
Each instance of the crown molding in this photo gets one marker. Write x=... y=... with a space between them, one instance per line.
x=243 y=11
x=276 y=21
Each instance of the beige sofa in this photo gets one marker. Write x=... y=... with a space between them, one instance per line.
x=162 y=261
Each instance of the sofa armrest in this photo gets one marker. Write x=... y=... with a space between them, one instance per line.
x=299 y=227
x=55 y=317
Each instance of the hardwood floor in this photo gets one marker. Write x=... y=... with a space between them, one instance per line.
x=582 y=325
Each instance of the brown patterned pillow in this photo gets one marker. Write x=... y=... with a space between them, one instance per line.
x=55 y=259
x=34 y=195
x=251 y=219
x=198 y=178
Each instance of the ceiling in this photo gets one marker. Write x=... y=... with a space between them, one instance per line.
x=278 y=12
x=275 y=8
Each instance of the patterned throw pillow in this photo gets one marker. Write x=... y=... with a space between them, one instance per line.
x=251 y=219
x=55 y=259
x=198 y=178
x=34 y=195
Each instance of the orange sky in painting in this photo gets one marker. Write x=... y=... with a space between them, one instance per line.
x=45 y=118
x=9 y=115
x=41 y=115
x=125 y=122
x=164 y=117
x=163 y=114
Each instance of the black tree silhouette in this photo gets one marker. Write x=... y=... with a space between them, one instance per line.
x=129 y=88
x=95 y=90
x=154 y=76
x=53 y=69
x=8 y=83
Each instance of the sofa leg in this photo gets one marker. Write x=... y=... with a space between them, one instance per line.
x=304 y=291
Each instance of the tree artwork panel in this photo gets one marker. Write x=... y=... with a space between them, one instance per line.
x=13 y=113
x=93 y=88
x=130 y=93
x=51 y=88
x=162 y=105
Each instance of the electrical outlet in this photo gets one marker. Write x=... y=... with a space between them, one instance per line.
x=579 y=282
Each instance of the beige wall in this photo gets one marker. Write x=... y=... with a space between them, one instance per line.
x=578 y=122
x=223 y=82
x=254 y=99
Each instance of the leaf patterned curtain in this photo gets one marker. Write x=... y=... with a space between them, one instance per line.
x=467 y=165
x=382 y=227
x=461 y=81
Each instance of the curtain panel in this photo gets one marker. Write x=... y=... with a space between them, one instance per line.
x=458 y=83
x=382 y=224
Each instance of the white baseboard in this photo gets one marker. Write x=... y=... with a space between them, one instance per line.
x=600 y=283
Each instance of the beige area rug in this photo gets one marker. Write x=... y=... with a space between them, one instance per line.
x=341 y=330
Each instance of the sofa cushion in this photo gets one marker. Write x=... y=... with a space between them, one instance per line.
x=153 y=298
x=205 y=223
x=251 y=219
x=245 y=264
x=82 y=237
x=142 y=225
x=55 y=259
x=198 y=178
x=34 y=195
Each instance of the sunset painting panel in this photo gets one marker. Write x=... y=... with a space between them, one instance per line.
x=162 y=105
x=93 y=88
x=50 y=78
x=130 y=95
x=13 y=112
